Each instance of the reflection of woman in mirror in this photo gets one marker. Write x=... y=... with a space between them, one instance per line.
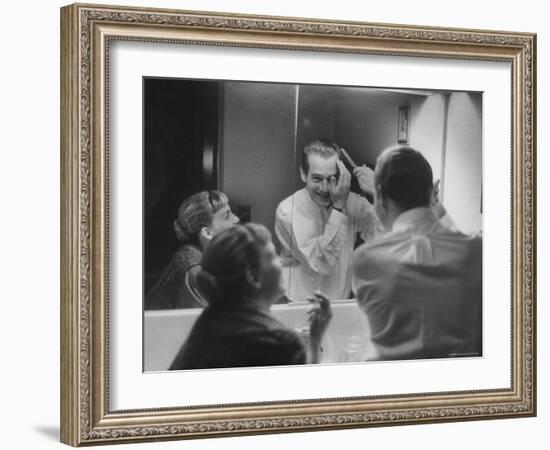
x=241 y=277
x=200 y=217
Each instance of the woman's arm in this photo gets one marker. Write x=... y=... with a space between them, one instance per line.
x=320 y=316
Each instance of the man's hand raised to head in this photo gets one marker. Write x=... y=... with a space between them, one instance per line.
x=339 y=191
x=365 y=177
x=435 y=202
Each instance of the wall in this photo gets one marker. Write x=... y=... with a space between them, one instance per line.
x=258 y=146
x=464 y=157
x=460 y=169
x=316 y=119
x=426 y=122
x=29 y=230
x=366 y=116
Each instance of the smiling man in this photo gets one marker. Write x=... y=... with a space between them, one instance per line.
x=318 y=224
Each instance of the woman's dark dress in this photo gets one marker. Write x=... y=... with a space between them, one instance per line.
x=171 y=291
x=238 y=337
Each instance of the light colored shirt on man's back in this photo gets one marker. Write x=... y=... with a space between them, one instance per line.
x=421 y=288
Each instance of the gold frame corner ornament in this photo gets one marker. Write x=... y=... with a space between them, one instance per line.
x=86 y=31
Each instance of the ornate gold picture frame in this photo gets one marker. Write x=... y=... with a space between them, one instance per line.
x=87 y=32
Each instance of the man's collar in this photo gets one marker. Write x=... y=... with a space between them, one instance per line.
x=412 y=218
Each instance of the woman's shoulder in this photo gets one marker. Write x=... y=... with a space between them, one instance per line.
x=187 y=256
x=188 y=251
x=263 y=334
x=273 y=339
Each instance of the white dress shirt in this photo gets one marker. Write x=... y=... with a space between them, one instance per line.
x=420 y=287
x=317 y=243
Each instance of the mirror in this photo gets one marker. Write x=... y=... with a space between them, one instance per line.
x=246 y=139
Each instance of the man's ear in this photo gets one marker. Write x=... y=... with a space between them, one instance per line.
x=303 y=176
x=434 y=193
x=379 y=197
x=253 y=279
x=206 y=233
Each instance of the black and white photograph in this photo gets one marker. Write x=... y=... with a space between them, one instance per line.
x=289 y=224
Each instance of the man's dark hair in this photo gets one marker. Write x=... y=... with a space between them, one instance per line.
x=405 y=176
x=322 y=147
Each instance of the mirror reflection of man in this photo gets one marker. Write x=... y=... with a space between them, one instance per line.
x=317 y=225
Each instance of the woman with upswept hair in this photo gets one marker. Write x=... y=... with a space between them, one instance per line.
x=241 y=278
x=200 y=217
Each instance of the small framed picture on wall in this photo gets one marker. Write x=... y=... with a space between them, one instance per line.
x=403 y=125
